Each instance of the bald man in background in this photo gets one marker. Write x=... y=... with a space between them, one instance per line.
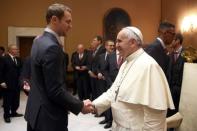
x=79 y=64
x=11 y=93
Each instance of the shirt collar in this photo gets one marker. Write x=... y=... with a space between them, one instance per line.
x=11 y=55
x=47 y=29
x=162 y=43
x=117 y=52
x=98 y=47
x=117 y=55
x=134 y=55
x=179 y=49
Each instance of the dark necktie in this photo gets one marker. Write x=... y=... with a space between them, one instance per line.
x=15 y=61
x=176 y=54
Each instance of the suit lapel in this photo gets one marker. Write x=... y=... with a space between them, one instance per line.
x=179 y=57
x=161 y=47
x=11 y=60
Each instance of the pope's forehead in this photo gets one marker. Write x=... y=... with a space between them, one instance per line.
x=121 y=35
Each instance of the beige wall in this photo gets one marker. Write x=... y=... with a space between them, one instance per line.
x=188 y=104
x=87 y=17
x=174 y=11
x=21 y=13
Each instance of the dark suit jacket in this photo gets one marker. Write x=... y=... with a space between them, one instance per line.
x=176 y=76
x=92 y=62
x=48 y=100
x=77 y=62
x=101 y=66
x=101 y=63
x=11 y=72
x=158 y=53
x=176 y=68
x=111 y=68
x=1 y=69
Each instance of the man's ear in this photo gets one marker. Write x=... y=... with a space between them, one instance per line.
x=54 y=19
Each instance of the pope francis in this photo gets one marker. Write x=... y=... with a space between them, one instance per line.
x=140 y=96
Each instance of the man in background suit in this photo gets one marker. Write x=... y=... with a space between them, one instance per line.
x=97 y=49
x=49 y=101
x=101 y=67
x=79 y=64
x=11 y=92
x=176 y=71
x=114 y=61
x=102 y=83
x=2 y=53
x=158 y=49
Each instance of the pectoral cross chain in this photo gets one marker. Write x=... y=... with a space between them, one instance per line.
x=124 y=74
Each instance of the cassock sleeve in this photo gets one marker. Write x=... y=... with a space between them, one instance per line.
x=103 y=102
x=154 y=120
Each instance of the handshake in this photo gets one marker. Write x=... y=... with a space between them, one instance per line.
x=88 y=107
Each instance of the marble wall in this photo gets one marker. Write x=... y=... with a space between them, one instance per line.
x=188 y=100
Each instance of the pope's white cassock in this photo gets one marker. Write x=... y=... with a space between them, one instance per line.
x=139 y=97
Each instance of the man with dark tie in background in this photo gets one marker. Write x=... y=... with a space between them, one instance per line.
x=102 y=79
x=10 y=73
x=114 y=62
x=176 y=71
x=49 y=101
x=79 y=64
x=101 y=67
x=97 y=49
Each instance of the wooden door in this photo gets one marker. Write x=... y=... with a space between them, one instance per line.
x=25 y=44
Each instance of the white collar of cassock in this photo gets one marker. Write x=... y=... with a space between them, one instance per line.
x=134 y=55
